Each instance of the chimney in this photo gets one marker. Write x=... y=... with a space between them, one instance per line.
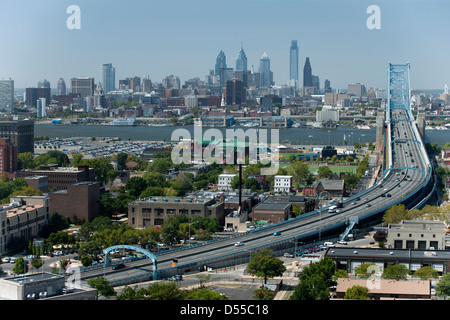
x=240 y=187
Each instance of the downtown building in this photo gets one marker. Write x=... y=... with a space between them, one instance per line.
x=7 y=94
x=82 y=85
x=234 y=92
x=266 y=76
x=32 y=95
x=20 y=133
x=108 y=77
x=293 y=64
x=8 y=156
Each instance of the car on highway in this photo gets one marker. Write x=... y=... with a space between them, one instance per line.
x=238 y=244
x=277 y=233
x=177 y=277
x=354 y=202
x=118 y=266
x=368 y=205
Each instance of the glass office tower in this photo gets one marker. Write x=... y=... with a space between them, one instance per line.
x=293 y=64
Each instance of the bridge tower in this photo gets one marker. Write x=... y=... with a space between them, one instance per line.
x=398 y=89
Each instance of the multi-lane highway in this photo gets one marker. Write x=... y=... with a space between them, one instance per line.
x=408 y=173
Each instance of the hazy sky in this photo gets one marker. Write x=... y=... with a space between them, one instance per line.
x=182 y=37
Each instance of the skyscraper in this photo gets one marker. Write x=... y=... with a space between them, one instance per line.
x=108 y=77
x=293 y=64
x=61 y=88
x=307 y=74
x=234 y=92
x=20 y=132
x=43 y=84
x=33 y=94
x=83 y=85
x=41 y=108
x=7 y=95
x=221 y=63
x=264 y=70
x=241 y=61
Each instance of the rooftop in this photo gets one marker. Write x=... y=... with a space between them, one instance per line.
x=21 y=210
x=32 y=277
x=188 y=199
x=384 y=253
x=419 y=287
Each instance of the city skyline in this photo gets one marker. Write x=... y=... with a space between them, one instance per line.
x=142 y=42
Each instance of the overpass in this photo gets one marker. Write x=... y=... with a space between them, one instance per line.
x=407 y=178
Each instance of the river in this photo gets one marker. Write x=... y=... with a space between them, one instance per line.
x=306 y=136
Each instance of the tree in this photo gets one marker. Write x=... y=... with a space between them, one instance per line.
x=299 y=172
x=395 y=214
x=204 y=294
x=25 y=161
x=315 y=281
x=20 y=267
x=121 y=159
x=37 y=263
x=155 y=291
x=366 y=270
x=426 y=273
x=252 y=184
x=135 y=186
x=103 y=286
x=357 y=293
x=395 y=272
x=263 y=293
x=265 y=264
x=380 y=236
x=443 y=286
x=351 y=181
x=324 y=172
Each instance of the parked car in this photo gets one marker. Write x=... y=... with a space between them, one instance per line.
x=288 y=255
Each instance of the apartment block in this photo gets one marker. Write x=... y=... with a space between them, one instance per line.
x=224 y=182
x=282 y=184
x=153 y=211
x=23 y=218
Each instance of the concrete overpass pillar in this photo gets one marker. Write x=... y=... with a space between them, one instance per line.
x=380 y=132
x=421 y=125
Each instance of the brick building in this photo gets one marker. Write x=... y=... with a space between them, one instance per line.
x=60 y=177
x=83 y=198
x=153 y=211
x=8 y=156
x=271 y=211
